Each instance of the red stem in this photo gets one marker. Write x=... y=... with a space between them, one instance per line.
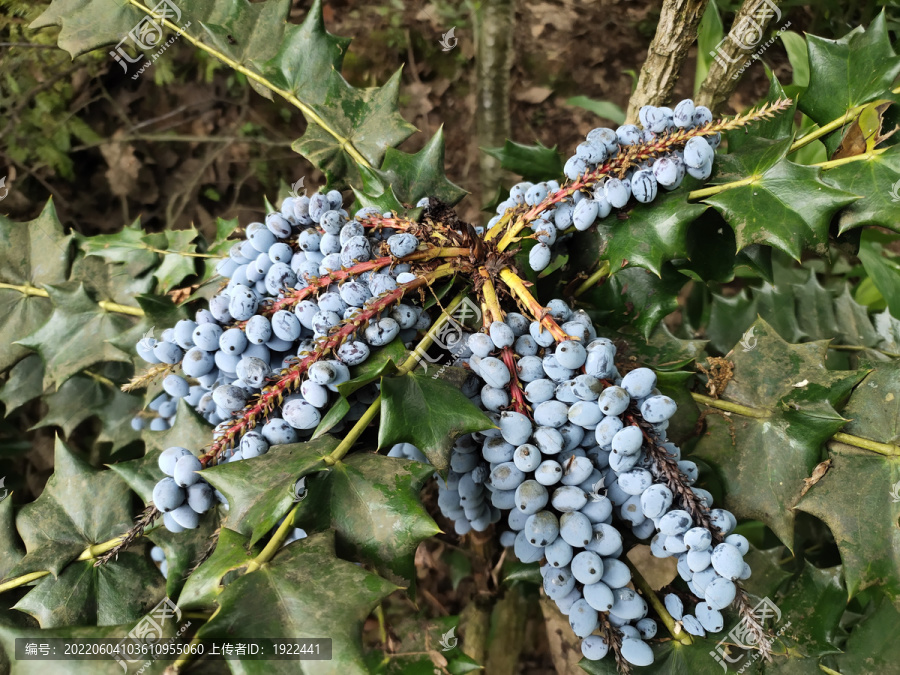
x=515 y=389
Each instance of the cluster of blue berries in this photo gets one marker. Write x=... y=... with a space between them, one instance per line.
x=580 y=469
x=229 y=352
x=585 y=207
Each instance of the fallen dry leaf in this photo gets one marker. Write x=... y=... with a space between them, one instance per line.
x=817 y=474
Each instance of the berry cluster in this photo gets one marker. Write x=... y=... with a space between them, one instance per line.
x=582 y=462
x=640 y=180
x=306 y=273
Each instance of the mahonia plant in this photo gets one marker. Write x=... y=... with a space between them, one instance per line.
x=308 y=376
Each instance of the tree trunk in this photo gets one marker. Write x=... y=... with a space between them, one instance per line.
x=494 y=52
x=676 y=32
x=739 y=48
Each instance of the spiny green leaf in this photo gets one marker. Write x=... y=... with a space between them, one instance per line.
x=653 y=233
x=77 y=334
x=605 y=109
x=858 y=68
x=882 y=270
x=790 y=385
x=175 y=267
x=189 y=431
x=34 y=253
x=118 y=592
x=776 y=128
x=305 y=591
x=10 y=543
x=813 y=604
x=412 y=398
x=141 y=474
x=126 y=246
x=261 y=491
x=876 y=179
x=203 y=586
x=634 y=296
x=785 y=205
x=376 y=512
x=869 y=649
x=79 y=507
x=25 y=383
x=532 y=162
x=421 y=174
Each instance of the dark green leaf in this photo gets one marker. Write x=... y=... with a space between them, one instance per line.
x=305 y=591
x=376 y=512
x=814 y=604
x=332 y=418
x=203 y=586
x=25 y=383
x=790 y=386
x=785 y=205
x=412 y=399
x=184 y=550
x=858 y=68
x=77 y=334
x=421 y=174
x=10 y=543
x=261 y=491
x=532 y=162
x=117 y=592
x=31 y=254
x=653 y=233
x=883 y=271
x=79 y=507
x=382 y=362
x=870 y=648
x=877 y=180
x=125 y=246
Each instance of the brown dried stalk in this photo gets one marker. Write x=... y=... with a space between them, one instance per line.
x=144 y=520
x=154 y=372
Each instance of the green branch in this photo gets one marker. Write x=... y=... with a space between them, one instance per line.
x=309 y=113
x=886 y=449
x=647 y=591
x=103 y=304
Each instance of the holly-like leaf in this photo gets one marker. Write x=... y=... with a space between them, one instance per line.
x=882 y=270
x=126 y=246
x=77 y=334
x=791 y=395
x=868 y=651
x=79 y=507
x=261 y=491
x=421 y=174
x=25 y=383
x=813 y=605
x=653 y=233
x=876 y=179
x=117 y=592
x=634 y=296
x=175 y=266
x=32 y=254
x=412 y=398
x=141 y=474
x=784 y=205
x=376 y=512
x=776 y=127
x=9 y=539
x=346 y=125
x=189 y=431
x=203 y=586
x=305 y=591
x=858 y=68
x=532 y=162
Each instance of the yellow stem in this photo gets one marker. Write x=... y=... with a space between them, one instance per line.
x=274 y=543
x=120 y=309
x=829 y=671
x=490 y=296
x=594 y=279
x=847 y=160
x=26 y=290
x=861 y=348
x=649 y=594
x=517 y=286
x=22 y=580
x=881 y=448
x=887 y=449
x=182 y=253
x=827 y=129
x=716 y=189
x=309 y=113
